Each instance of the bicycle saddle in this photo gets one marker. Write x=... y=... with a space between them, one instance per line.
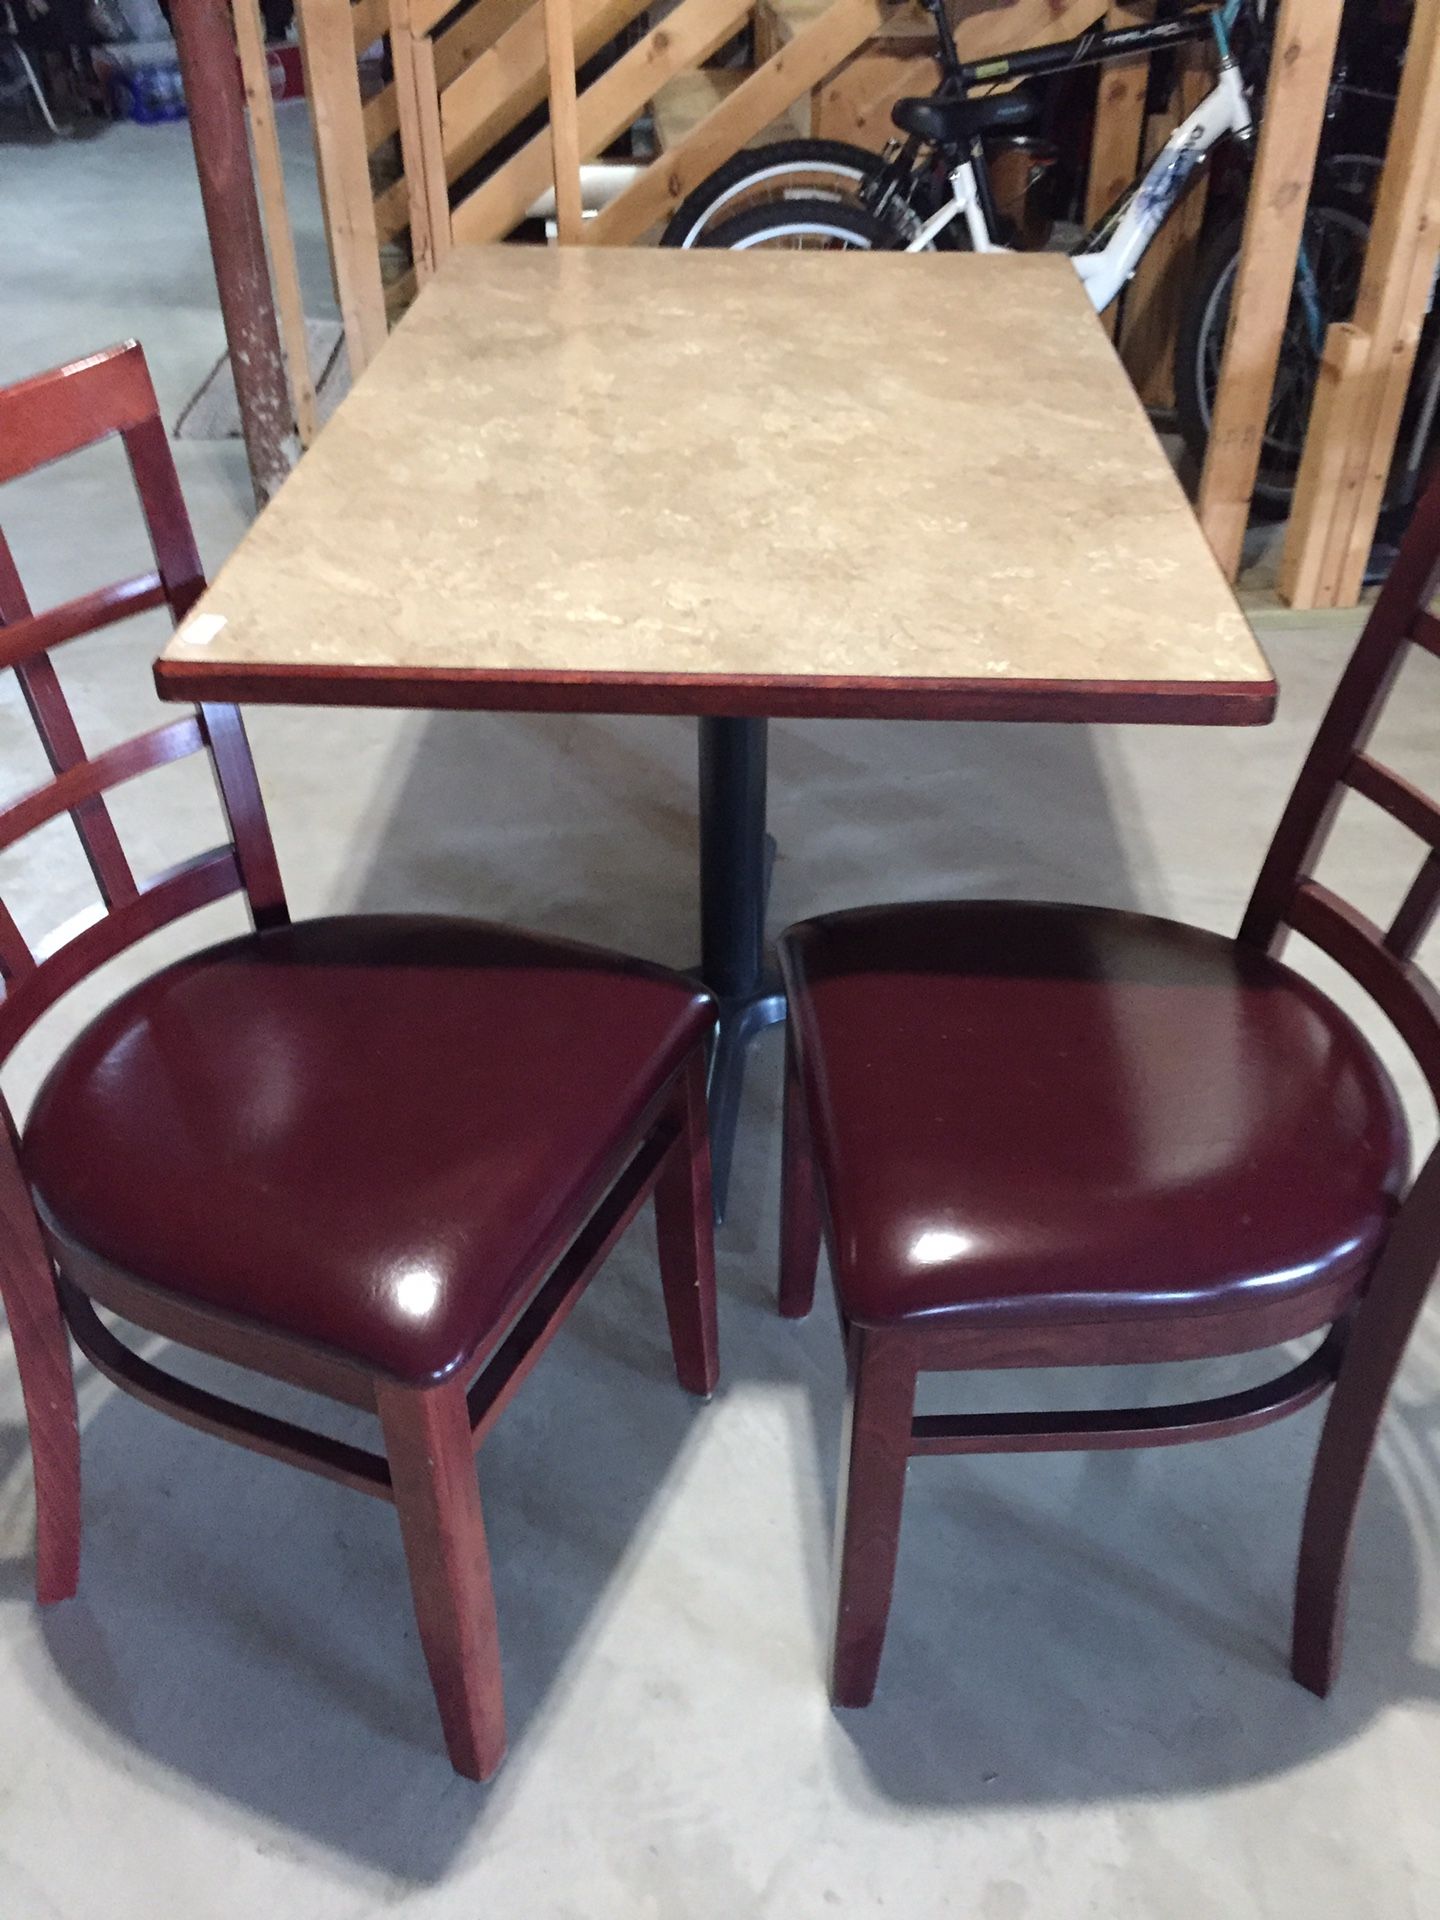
x=953 y=122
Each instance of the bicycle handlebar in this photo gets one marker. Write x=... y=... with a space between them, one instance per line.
x=1086 y=49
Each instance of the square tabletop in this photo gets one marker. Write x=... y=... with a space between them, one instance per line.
x=642 y=480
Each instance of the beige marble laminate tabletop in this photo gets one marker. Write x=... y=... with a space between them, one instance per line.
x=745 y=483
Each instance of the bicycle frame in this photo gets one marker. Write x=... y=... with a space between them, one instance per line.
x=1108 y=255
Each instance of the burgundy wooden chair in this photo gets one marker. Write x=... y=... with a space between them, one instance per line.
x=1042 y=1136
x=377 y=1157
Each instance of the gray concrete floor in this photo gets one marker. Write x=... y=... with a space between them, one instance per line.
x=1084 y=1708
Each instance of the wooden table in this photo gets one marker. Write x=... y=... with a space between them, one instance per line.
x=735 y=486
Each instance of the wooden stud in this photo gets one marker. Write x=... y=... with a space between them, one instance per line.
x=333 y=82
x=505 y=83
x=564 y=121
x=455 y=50
x=270 y=172
x=432 y=145
x=1304 y=54
x=206 y=49
x=1351 y=443
x=369 y=22
x=1335 y=424
x=1152 y=304
x=1119 y=124
x=855 y=103
x=689 y=35
x=419 y=108
x=799 y=64
x=815 y=51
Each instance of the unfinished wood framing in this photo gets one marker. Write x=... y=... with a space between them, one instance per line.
x=328 y=43
x=1153 y=299
x=1306 y=35
x=458 y=92
x=687 y=36
x=564 y=140
x=1369 y=364
x=418 y=107
x=279 y=237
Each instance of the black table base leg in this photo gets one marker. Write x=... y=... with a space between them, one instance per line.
x=736 y=858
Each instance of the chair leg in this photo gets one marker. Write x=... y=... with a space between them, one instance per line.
x=1384 y=1321
x=880 y=1407
x=47 y=1386
x=1347 y=1442
x=437 y=1498
x=685 y=1231
x=799 y=1201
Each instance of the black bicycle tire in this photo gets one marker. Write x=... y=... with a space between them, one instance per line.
x=1217 y=259
x=756 y=160
x=749 y=228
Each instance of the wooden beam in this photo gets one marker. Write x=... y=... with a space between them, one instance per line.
x=856 y=101
x=369 y=22
x=334 y=86
x=1335 y=422
x=270 y=172
x=815 y=51
x=983 y=29
x=687 y=36
x=1119 y=124
x=457 y=48
x=508 y=81
x=1301 y=62
x=432 y=145
x=206 y=48
x=1153 y=301
x=564 y=140
x=1350 y=445
x=415 y=179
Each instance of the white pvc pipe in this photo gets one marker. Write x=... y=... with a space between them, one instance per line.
x=601 y=181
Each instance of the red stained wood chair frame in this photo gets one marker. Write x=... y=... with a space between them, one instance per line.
x=431 y=1432
x=1358 y=1358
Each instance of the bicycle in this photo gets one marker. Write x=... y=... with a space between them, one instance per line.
x=934 y=189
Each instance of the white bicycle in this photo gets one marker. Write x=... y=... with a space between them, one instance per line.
x=934 y=189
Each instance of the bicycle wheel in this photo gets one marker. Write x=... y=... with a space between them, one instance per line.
x=1336 y=236
x=807 y=225
x=807 y=169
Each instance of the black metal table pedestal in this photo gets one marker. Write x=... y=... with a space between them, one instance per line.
x=735 y=861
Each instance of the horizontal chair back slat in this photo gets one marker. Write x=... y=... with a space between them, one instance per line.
x=1402 y=800
x=65 y=962
x=25 y=635
x=69 y=790
x=1397 y=986
x=1287 y=896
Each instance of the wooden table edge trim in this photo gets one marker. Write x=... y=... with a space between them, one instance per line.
x=796 y=697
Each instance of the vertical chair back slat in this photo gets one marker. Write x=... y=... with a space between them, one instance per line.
x=1416 y=914
x=60 y=738
x=41 y=420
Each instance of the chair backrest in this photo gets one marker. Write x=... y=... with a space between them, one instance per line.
x=1287 y=896
x=41 y=420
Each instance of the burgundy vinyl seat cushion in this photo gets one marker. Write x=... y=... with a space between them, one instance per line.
x=1028 y=1113
x=359 y=1132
